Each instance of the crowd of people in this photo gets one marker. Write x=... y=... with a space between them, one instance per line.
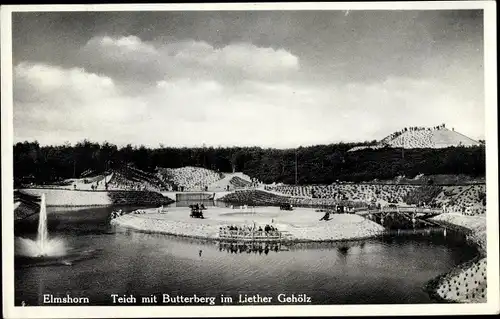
x=413 y=137
x=248 y=231
x=189 y=178
x=120 y=182
x=413 y=129
x=257 y=197
x=267 y=228
x=254 y=197
x=347 y=192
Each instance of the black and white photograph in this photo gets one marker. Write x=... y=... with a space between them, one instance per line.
x=245 y=159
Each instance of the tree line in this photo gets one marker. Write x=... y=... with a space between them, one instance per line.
x=320 y=164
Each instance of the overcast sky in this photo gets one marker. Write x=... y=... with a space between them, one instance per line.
x=272 y=79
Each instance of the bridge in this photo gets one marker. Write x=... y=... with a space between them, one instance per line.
x=421 y=215
x=410 y=209
x=412 y=213
x=405 y=210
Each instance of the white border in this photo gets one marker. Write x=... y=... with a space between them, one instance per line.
x=491 y=307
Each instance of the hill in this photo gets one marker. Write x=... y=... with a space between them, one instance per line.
x=423 y=137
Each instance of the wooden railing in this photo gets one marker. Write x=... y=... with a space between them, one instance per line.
x=426 y=210
x=250 y=234
x=404 y=210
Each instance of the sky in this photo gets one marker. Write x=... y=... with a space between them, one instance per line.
x=245 y=78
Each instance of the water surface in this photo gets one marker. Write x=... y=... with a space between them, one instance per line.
x=385 y=270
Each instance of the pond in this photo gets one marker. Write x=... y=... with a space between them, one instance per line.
x=391 y=269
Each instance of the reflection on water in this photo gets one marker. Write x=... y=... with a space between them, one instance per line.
x=384 y=270
x=251 y=247
x=69 y=258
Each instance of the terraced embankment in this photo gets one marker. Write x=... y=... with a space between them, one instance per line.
x=25 y=205
x=466 y=283
x=269 y=198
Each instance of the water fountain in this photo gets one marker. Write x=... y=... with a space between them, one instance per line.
x=43 y=246
x=43 y=232
x=46 y=251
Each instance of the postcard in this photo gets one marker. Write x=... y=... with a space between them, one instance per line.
x=250 y=159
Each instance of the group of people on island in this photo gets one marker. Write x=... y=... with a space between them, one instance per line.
x=267 y=228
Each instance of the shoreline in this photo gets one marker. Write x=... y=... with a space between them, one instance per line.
x=301 y=226
x=216 y=239
x=461 y=276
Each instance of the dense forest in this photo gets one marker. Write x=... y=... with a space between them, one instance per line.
x=321 y=164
